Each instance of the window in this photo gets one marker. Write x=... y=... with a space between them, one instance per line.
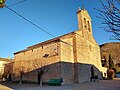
x=55 y=50
x=90 y=47
x=88 y=25
x=46 y=55
x=85 y=23
x=42 y=47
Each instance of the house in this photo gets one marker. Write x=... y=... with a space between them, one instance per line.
x=5 y=68
x=74 y=57
x=3 y=61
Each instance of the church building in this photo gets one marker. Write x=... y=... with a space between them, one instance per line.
x=74 y=57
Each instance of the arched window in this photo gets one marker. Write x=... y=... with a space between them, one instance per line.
x=85 y=23
x=88 y=25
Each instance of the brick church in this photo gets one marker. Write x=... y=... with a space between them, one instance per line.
x=74 y=57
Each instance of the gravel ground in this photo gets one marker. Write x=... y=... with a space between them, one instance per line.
x=100 y=85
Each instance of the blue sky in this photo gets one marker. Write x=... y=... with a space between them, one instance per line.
x=55 y=16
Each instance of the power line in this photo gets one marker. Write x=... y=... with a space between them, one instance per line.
x=17 y=3
x=29 y=21
x=34 y=24
x=40 y=27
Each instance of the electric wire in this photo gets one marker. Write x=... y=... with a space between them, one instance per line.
x=29 y=21
x=33 y=23
x=40 y=27
x=17 y=3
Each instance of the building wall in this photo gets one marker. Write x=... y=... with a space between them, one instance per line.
x=88 y=54
x=28 y=61
x=67 y=60
x=2 y=63
x=5 y=68
x=75 y=55
x=87 y=50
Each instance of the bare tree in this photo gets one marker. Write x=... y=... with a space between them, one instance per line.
x=110 y=14
x=25 y=66
x=39 y=65
x=20 y=70
x=8 y=69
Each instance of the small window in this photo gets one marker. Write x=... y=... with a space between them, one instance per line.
x=85 y=23
x=90 y=47
x=32 y=50
x=55 y=50
x=46 y=55
x=42 y=47
x=88 y=25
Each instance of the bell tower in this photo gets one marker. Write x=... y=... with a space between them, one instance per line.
x=84 y=20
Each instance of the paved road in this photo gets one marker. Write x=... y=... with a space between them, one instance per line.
x=2 y=87
x=100 y=85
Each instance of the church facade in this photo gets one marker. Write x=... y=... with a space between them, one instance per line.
x=74 y=57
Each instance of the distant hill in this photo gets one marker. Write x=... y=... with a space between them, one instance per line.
x=112 y=49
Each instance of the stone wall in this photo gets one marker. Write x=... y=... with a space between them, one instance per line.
x=29 y=60
x=67 y=60
x=70 y=59
x=88 y=53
